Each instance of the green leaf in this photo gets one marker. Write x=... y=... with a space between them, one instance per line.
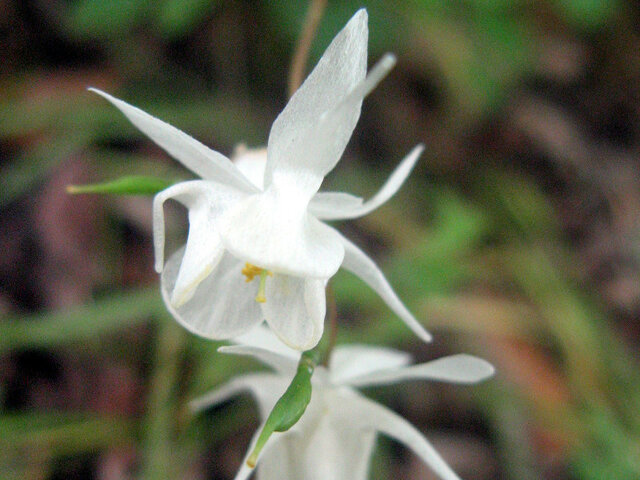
x=129 y=185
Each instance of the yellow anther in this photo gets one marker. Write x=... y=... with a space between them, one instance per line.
x=251 y=271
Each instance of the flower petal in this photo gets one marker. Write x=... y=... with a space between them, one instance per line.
x=272 y=451
x=355 y=361
x=282 y=364
x=325 y=204
x=279 y=235
x=265 y=387
x=341 y=209
x=184 y=190
x=461 y=368
x=223 y=305
x=263 y=337
x=326 y=141
x=328 y=445
x=205 y=201
x=198 y=158
x=202 y=254
x=369 y=414
x=295 y=144
x=295 y=309
x=357 y=262
x=280 y=462
x=251 y=162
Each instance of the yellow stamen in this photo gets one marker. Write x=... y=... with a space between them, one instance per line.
x=251 y=271
x=260 y=298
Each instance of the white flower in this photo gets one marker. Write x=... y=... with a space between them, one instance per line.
x=272 y=229
x=335 y=436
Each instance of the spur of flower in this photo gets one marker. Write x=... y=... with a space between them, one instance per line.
x=336 y=435
x=257 y=247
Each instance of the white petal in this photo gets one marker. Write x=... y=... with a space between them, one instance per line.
x=354 y=361
x=288 y=456
x=205 y=201
x=332 y=446
x=325 y=143
x=263 y=337
x=323 y=445
x=348 y=209
x=202 y=254
x=265 y=387
x=368 y=414
x=197 y=263
x=461 y=368
x=223 y=305
x=279 y=235
x=283 y=365
x=357 y=262
x=297 y=150
x=380 y=70
x=325 y=204
x=180 y=190
x=280 y=462
x=252 y=163
x=295 y=308
x=246 y=471
x=198 y=158
x=271 y=451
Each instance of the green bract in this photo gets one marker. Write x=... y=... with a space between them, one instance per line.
x=128 y=185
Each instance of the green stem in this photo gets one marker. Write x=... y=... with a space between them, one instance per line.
x=329 y=339
x=159 y=425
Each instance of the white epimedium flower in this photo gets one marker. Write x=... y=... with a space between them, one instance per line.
x=270 y=226
x=336 y=435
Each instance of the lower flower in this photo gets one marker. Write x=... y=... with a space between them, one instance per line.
x=335 y=437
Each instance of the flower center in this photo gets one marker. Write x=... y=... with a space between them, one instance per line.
x=251 y=271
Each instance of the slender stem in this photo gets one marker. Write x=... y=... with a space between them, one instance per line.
x=159 y=460
x=300 y=56
x=332 y=334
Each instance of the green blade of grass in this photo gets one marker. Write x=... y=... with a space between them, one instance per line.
x=159 y=460
x=62 y=433
x=84 y=323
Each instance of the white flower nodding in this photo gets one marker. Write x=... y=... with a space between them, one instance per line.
x=273 y=217
x=336 y=435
